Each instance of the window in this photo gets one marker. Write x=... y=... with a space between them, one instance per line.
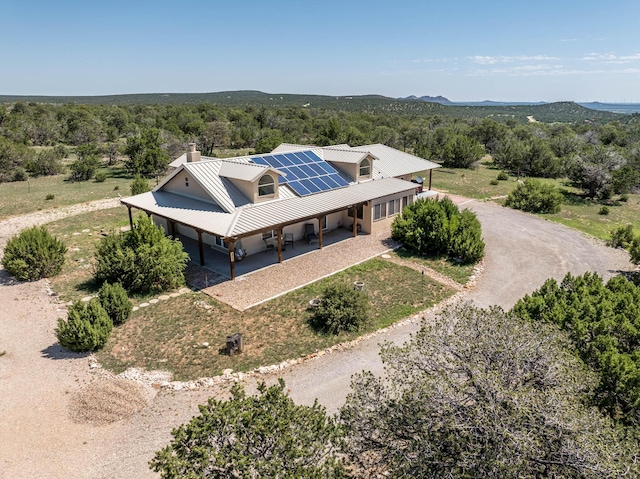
x=324 y=223
x=219 y=242
x=394 y=207
x=186 y=181
x=359 y=213
x=266 y=186
x=365 y=167
x=379 y=211
x=405 y=201
x=268 y=235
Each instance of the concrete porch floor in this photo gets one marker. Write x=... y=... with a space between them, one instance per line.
x=218 y=262
x=263 y=284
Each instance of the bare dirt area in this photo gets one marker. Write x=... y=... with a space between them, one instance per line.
x=42 y=435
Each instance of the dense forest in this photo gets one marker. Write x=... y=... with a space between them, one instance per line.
x=602 y=156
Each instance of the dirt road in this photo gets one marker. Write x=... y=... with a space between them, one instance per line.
x=38 y=439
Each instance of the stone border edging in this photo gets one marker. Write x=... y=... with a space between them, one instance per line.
x=159 y=379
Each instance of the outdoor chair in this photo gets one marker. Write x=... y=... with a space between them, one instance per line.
x=288 y=239
x=310 y=233
x=270 y=247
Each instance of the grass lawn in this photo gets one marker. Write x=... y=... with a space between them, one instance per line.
x=21 y=197
x=167 y=335
x=443 y=265
x=577 y=212
x=76 y=278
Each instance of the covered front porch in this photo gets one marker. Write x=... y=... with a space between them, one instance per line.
x=217 y=261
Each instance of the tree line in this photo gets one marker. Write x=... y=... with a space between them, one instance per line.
x=35 y=139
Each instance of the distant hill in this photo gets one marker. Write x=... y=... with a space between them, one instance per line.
x=432 y=99
x=376 y=104
x=627 y=108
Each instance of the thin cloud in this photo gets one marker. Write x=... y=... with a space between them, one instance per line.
x=611 y=58
x=492 y=60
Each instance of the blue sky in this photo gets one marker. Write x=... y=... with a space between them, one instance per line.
x=464 y=50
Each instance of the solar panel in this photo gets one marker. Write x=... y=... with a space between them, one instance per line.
x=306 y=172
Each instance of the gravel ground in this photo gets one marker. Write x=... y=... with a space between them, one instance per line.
x=40 y=382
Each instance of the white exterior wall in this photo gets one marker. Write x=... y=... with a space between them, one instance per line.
x=385 y=222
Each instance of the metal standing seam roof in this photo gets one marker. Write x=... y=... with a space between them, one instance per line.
x=244 y=171
x=188 y=211
x=392 y=162
x=258 y=217
x=288 y=147
x=221 y=190
x=344 y=156
x=183 y=159
x=263 y=215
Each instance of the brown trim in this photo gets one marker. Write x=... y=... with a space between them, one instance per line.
x=279 y=232
x=430 y=175
x=130 y=217
x=232 y=259
x=200 y=247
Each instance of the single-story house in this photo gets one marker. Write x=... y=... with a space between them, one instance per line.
x=244 y=205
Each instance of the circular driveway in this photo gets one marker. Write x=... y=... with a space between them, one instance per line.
x=522 y=251
x=39 y=440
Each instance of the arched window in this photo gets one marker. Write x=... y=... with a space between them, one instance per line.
x=266 y=186
x=365 y=167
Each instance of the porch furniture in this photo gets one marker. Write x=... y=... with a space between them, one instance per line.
x=310 y=233
x=288 y=239
x=270 y=245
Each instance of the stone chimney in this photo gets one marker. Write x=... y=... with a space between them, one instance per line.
x=192 y=154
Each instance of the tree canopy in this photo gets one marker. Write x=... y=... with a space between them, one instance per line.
x=603 y=322
x=267 y=435
x=481 y=393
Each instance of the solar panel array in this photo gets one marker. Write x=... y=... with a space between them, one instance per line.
x=306 y=172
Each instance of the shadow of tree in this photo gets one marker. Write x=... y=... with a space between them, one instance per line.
x=56 y=352
x=6 y=279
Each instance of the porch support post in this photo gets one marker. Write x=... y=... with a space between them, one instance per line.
x=320 y=219
x=200 y=248
x=130 y=218
x=279 y=231
x=355 y=220
x=430 y=175
x=232 y=258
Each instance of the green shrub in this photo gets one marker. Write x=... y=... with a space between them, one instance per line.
x=502 y=176
x=466 y=243
x=100 y=177
x=535 y=197
x=34 y=254
x=634 y=251
x=19 y=175
x=437 y=227
x=341 y=308
x=621 y=237
x=113 y=298
x=604 y=211
x=143 y=260
x=87 y=327
x=116 y=188
x=624 y=198
x=139 y=185
x=494 y=182
x=49 y=196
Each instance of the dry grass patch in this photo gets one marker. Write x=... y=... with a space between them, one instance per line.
x=443 y=265
x=21 y=197
x=171 y=335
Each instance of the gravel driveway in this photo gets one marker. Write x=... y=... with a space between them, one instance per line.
x=36 y=377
